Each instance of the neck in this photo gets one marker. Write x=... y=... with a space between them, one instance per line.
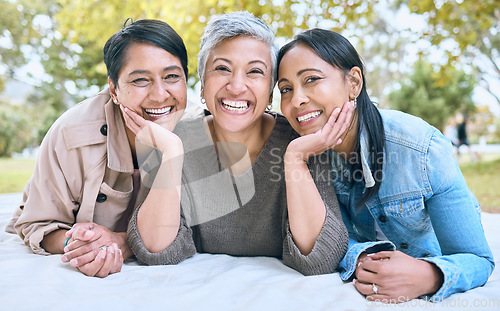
x=253 y=138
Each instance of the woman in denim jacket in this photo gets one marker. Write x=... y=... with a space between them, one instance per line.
x=414 y=225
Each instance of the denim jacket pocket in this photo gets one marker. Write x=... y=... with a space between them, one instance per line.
x=409 y=213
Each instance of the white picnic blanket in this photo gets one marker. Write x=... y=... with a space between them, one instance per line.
x=203 y=282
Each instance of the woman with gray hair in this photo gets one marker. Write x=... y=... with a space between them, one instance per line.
x=234 y=187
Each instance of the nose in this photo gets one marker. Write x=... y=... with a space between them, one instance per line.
x=237 y=84
x=159 y=92
x=299 y=98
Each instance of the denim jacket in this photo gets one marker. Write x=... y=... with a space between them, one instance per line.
x=423 y=207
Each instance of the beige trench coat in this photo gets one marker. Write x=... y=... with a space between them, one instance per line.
x=83 y=174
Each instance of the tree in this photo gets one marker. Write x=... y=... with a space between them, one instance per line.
x=434 y=95
x=473 y=27
x=14 y=129
x=93 y=22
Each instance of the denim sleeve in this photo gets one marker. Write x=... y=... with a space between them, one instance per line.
x=347 y=266
x=466 y=261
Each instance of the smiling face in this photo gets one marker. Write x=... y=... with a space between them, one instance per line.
x=237 y=83
x=151 y=83
x=312 y=88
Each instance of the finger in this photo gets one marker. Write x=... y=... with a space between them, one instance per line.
x=363 y=288
x=381 y=255
x=343 y=120
x=117 y=266
x=78 y=261
x=88 y=226
x=83 y=234
x=108 y=263
x=363 y=274
x=91 y=268
x=129 y=118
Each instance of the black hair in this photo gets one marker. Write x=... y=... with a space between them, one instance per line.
x=151 y=31
x=336 y=50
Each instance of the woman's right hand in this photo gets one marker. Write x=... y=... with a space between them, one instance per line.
x=328 y=137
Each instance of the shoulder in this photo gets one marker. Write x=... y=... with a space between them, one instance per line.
x=82 y=123
x=407 y=131
x=88 y=110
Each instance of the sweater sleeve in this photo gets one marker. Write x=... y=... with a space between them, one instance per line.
x=181 y=248
x=331 y=244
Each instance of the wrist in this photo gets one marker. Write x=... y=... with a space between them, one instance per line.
x=434 y=278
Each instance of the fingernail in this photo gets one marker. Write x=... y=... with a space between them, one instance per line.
x=74 y=262
x=64 y=259
x=87 y=234
x=66 y=249
x=337 y=110
x=102 y=254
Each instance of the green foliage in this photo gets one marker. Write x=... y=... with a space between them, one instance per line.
x=473 y=25
x=435 y=96
x=90 y=23
x=14 y=129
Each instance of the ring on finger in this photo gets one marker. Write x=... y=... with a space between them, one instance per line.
x=375 y=288
x=103 y=248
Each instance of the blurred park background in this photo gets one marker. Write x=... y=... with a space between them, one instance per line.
x=436 y=59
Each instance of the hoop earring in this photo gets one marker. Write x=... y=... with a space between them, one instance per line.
x=203 y=102
x=355 y=103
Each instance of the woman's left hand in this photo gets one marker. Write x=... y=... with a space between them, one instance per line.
x=326 y=138
x=397 y=277
x=152 y=134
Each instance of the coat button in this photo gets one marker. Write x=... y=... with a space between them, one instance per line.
x=382 y=218
x=101 y=197
x=104 y=130
x=404 y=246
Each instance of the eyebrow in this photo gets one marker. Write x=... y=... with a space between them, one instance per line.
x=250 y=62
x=300 y=72
x=169 y=68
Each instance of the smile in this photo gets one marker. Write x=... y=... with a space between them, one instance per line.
x=237 y=106
x=309 y=116
x=158 y=112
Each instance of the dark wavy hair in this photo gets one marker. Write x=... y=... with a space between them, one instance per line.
x=336 y=50
x=150 y=31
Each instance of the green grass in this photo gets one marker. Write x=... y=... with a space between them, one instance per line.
x=14 y=174
x=482 y=177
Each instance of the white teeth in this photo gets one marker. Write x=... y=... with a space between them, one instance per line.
x=309 y=116
x=235 y=105
x=158 y=111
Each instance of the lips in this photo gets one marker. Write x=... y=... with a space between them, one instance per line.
x=156 y=113
x=235 y=105
x=308 y=116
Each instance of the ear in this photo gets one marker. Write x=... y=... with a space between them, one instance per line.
x=356 y=82
x=112 y=91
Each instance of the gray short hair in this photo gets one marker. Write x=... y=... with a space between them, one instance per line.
x=226 y=26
